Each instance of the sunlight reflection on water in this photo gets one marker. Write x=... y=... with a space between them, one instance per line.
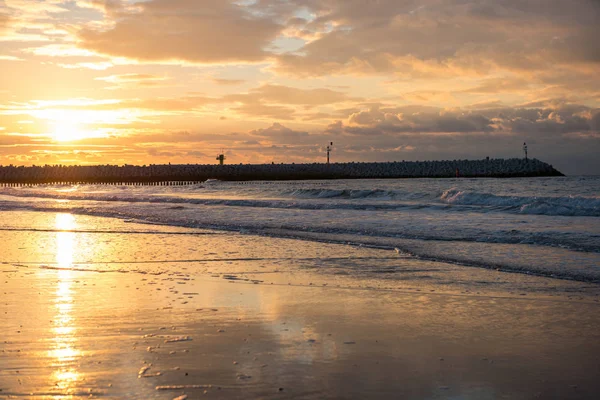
x=65 y=352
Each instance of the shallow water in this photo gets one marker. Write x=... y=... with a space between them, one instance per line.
x=114 y=309
x=547 y=226
x=63 y=241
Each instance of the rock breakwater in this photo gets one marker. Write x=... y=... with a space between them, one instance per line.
x=184 y=173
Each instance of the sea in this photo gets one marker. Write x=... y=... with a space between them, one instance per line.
x=540 y=226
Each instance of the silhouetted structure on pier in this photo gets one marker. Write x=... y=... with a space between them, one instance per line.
x=221 y=158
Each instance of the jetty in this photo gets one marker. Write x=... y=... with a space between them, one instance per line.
x=183 y=174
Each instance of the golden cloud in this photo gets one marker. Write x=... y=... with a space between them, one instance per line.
x=211 y=31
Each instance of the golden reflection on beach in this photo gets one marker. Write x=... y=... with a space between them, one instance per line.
x=64 y=353
x=64 y=241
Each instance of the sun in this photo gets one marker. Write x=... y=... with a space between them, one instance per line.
x=66 y=131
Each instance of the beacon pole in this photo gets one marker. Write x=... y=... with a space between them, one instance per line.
x=329 y=150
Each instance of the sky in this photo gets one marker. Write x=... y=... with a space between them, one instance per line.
x=179 y=81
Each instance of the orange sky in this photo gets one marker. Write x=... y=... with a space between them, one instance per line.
x=158 y=81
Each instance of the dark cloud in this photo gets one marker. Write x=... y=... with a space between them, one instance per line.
x=543 y=123
x=595 y=122
x=566 y=137
x=416 y=120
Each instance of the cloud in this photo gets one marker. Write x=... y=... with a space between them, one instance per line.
x=446 y=37
x=4 y=21
x=75 y=106
x=542 y=123
x=291 y=95
x=267 y=111
x=211 y=31
x=279 y=102
x=96 y=66
x=10 y=58
x=131 y=77
x=499 y=85
x=558 y=135
x=278 y=131
x=275 y=102
x=59 y=50
x=228 y=82
x=595 y=121
x=317 y=116
x=166 y=104
x=134 y=80
x=487 y=104
x=111 y=7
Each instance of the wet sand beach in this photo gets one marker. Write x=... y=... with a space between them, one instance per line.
x=107 y=308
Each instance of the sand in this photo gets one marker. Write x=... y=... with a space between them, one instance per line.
x=115 y=309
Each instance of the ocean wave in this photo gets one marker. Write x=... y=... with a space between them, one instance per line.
x=343 y=193
x=360 y=194
x=451 y=200
x=381 y=225
x=486 y=202
x=254 y=203
x=566 y=206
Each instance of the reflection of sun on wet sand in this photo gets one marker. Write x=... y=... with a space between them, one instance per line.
x=161 y=314
x=64 y=352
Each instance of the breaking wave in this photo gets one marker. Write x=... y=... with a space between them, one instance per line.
x=267 y=196
x=567 y=206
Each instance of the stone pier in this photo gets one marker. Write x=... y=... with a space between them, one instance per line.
x=186 y=174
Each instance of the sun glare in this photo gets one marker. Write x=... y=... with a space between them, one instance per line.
x=66 y=131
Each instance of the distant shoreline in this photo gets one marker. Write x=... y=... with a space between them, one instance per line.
x=192 y=173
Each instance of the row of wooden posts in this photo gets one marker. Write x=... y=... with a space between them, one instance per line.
x=65 y=183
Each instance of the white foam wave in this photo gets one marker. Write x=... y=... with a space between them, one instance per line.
x=567 y=206
x=261 y=196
